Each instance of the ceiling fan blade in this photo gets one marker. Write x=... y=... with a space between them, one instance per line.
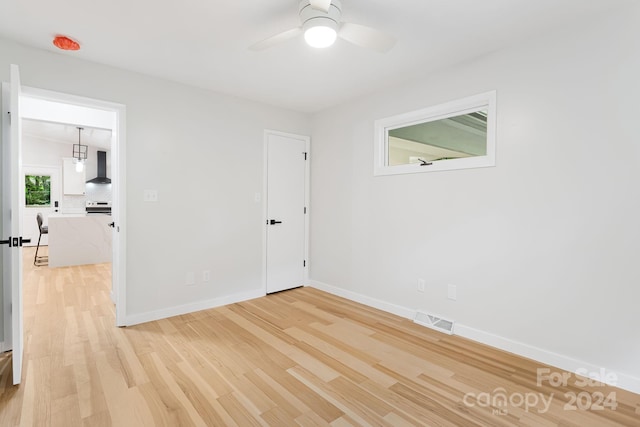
x=366 y=37
x=274 y=40
x=322 y=5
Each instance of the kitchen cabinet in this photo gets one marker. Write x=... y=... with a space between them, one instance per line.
x=73 y=182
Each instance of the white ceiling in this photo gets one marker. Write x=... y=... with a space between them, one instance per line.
x=205 y=43
x=66 y=134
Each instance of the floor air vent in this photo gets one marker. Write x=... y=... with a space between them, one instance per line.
x=434 y=322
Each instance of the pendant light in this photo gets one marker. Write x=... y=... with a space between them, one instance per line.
x=80 y=153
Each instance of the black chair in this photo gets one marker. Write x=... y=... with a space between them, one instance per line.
x=40 y=260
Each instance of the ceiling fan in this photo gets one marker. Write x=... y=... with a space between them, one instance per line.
x=321 y=25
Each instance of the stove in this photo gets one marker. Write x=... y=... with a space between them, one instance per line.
x=103 y=208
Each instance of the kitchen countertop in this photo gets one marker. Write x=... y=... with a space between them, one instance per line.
x=67 y=215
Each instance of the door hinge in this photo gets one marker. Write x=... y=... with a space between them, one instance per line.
x=305 y=210
x=305 y=155
x=304 y=263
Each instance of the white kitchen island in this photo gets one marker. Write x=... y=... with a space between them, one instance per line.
x=78 y=239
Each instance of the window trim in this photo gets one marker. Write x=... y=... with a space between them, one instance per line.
x=483 y=101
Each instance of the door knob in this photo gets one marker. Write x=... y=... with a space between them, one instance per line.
x=273 y=221
x=112 y=224
x=14 y=242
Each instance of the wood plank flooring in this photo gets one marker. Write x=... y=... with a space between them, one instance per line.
x=301 y=357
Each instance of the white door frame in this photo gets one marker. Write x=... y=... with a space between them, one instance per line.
x=118 y=170
x=265 y=198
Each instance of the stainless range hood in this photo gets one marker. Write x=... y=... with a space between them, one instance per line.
x=102 y=170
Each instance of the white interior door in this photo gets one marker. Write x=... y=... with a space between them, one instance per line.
x=13 y=199
x=286 y=209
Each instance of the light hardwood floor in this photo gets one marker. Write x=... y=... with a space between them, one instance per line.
x=301 y=357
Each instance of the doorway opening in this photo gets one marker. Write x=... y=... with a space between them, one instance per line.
x=61 y=120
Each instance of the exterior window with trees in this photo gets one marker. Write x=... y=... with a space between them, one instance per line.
x=37 y=190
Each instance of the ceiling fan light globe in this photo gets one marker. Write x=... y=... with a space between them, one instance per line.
x=320 y=36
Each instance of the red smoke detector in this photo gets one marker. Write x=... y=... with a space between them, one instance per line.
x=65 y=43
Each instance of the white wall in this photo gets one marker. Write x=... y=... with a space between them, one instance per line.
x=202 y=152
x=544 y=247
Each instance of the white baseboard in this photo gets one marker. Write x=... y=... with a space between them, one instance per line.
x=565 y=363
x=150 y=316
x=371 y=302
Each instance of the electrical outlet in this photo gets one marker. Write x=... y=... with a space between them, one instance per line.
x=452 y=292
x=206 y=276
x=191 y=278
x=421 y=285
x=150 y=195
